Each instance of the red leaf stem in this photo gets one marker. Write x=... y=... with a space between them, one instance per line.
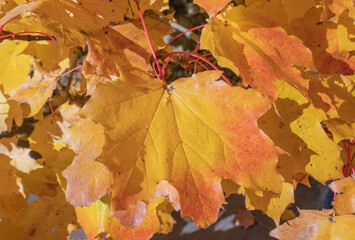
x=103 y=235
x=50 y=105
x=196 y=48
x=78 y=59
x=71 y=70
x=207 y=54
x=77 y=231
x=154 y=69
x=149 y=42
x=8 y=22
x=201 y=26
x=199 y=64
x=201 y=58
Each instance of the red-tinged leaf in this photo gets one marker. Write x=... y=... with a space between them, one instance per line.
x=249 y=42
x=86 y=139
x=82 y=190
x=95 y=220
x=167 y=190
x=327 y=43
x=154 y=134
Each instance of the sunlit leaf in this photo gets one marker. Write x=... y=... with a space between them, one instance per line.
x=154 y=134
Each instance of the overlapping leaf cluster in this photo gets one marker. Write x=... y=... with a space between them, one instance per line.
x=139 y=149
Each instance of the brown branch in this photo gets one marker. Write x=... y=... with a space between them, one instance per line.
x=24 y=37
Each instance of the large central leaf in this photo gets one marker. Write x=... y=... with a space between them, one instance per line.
x=192 y=133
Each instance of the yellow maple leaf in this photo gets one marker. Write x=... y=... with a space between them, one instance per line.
x=14 y=66
x=295 y=126
x=86 y=139
x=190 y=133
x=37 y=89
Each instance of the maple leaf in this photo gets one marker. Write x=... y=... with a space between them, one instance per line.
x=212 y=7
x=42 y=214
x=46 y=140
x=329 y=42
x=248 y=41
x=316 y=225
x=82 y=190
x=14 y=66
x=86 y=139
x=344 y=201
x=46 y=52
x=154 y=133
x=18 y=86
x=335 y=96
x=37 y=89
x=132 y=52
x=58 y=20
x=300 y=133
x=127 y=50
x=72 y=24
x=95 y=220
x=48 y=212
x=155 y=148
